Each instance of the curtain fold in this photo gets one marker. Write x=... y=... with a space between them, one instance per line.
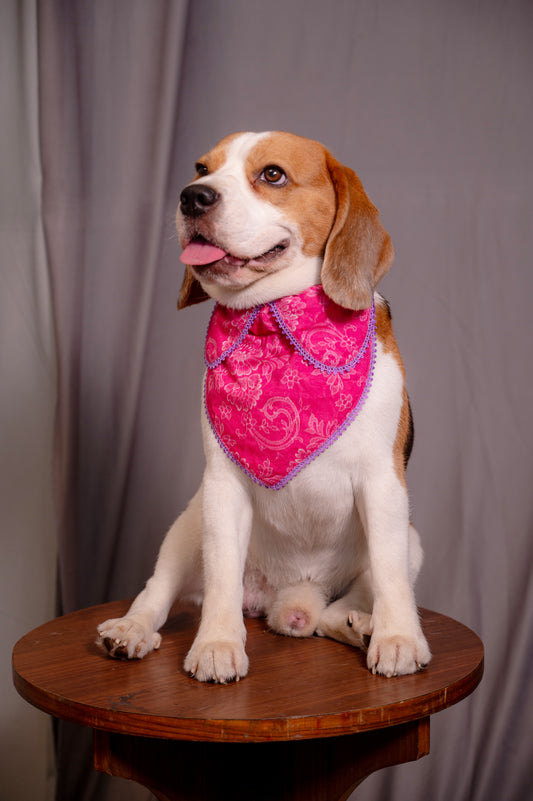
x=109 y=91
x=27 y=403
x=109 y=88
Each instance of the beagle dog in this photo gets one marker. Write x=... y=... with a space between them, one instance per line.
x=302 y=515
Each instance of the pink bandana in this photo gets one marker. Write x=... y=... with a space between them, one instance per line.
x=285 y=380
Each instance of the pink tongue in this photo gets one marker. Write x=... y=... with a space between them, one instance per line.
x=201 y=253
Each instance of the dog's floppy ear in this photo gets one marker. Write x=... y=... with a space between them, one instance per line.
x=191 y=291
x=359 y=251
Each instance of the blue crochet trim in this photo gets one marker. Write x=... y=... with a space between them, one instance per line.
x=242 y=336
x=284 y=329
x=324 y=368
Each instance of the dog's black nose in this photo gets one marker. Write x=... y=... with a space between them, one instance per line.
x=196 y=199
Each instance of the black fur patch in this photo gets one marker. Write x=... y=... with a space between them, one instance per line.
x=387 y=307
x=408 y=447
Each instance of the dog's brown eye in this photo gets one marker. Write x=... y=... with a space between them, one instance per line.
x=201 y=169
x=274 y=175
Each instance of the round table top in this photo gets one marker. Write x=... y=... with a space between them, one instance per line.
x=296 y=688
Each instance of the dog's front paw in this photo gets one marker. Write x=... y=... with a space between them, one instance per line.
x=219 y=661
x=397 y=655
x=127 y=637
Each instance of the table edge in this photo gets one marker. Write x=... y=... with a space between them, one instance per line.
x=250 y=730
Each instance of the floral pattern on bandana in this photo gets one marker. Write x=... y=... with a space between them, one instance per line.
x=285 y=379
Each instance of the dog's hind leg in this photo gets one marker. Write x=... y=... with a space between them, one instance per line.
x=348 y=619
x=177 y=574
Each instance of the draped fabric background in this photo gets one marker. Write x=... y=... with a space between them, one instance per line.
x=106 y=104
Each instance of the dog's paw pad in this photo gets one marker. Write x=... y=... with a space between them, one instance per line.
x=115 y=648
x=294 y=623
x=297 y=620
x=296 y=609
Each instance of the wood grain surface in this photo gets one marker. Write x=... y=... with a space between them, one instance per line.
x=296 y=688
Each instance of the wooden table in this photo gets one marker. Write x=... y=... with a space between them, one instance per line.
x=308 y=723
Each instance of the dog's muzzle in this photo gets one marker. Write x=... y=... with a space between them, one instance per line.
x=196 y=199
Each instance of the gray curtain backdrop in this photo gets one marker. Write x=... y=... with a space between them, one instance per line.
x=106 y=104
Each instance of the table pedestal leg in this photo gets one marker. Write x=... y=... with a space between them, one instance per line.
x=326 y=769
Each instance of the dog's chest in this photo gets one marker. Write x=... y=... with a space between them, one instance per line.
x=310 y=527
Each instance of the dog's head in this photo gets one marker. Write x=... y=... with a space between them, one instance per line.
x=271 y=214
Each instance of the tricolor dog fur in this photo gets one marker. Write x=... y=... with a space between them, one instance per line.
x=332 y=552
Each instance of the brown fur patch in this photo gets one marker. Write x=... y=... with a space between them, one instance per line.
x=191 y=291
x=308 y=197
x=216 y=157
x=359 y=250
x=404 y=438
x=385 y=333
x=404 y=435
